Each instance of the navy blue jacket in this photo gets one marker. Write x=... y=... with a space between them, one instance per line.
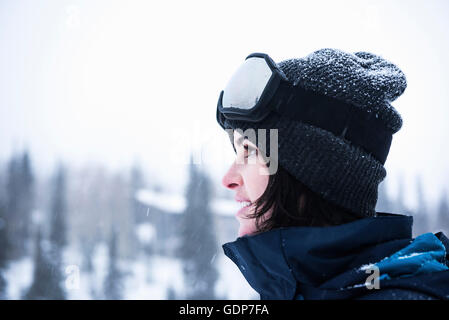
x=340 y=262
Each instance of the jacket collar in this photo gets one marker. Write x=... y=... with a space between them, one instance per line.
x=275 y=262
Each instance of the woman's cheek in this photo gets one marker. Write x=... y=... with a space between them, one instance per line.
x=256 y=183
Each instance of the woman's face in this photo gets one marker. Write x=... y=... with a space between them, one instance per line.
x=248 y=177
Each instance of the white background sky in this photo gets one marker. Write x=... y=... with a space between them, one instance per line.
x=119 y=81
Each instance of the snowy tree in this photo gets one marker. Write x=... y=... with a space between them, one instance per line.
x=421 y=217
x=58 y=210
x=170 y=293
x=120 y=214
x=3 y=252
x=443 y=214
x=3 y=286
x=198 y=239
x=19 y=204
x=399 y=203
x=87 y=251
x=384 y=202
x=113 y=282
x=58 y=225
x=88 y=206
x=47 y=279
x=136 y=183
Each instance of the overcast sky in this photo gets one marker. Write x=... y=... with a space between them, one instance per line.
x=122 y=81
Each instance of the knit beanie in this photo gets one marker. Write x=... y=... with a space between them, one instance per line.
x=342 y=172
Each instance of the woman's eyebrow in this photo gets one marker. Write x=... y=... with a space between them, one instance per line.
x=240 y=140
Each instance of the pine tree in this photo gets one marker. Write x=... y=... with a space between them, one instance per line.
x=384 y=202
x=58 y=227
x=421 y=217
x=20 y=202
x=4 y=247
x=171 y=293
x=113 y=282
x=198 y=240
x=87 y=250
x=58 y=211
x=47 y=279
x=3 y=286
x=443 y=214
x=136 y=183
x=399 y=202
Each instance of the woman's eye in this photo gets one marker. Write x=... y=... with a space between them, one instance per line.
x=250 y=151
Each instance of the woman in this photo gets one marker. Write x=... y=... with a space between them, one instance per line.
x=311 y=137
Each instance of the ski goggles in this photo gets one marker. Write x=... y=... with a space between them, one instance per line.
x=258 y=87
x=248 y=93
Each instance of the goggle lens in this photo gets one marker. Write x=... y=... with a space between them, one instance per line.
x=247 y=84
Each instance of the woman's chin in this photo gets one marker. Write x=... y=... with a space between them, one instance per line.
x=244 y=231
x=241 y=234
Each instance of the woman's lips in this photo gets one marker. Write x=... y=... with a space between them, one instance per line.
x=241 y=212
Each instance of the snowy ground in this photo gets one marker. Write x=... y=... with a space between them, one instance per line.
x=19 y=276
x=144 y=278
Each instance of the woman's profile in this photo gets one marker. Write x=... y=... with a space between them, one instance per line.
x=311 y=137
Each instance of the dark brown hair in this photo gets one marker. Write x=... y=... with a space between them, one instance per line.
x=295 y=205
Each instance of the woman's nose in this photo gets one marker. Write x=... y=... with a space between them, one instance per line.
x=232 y=178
